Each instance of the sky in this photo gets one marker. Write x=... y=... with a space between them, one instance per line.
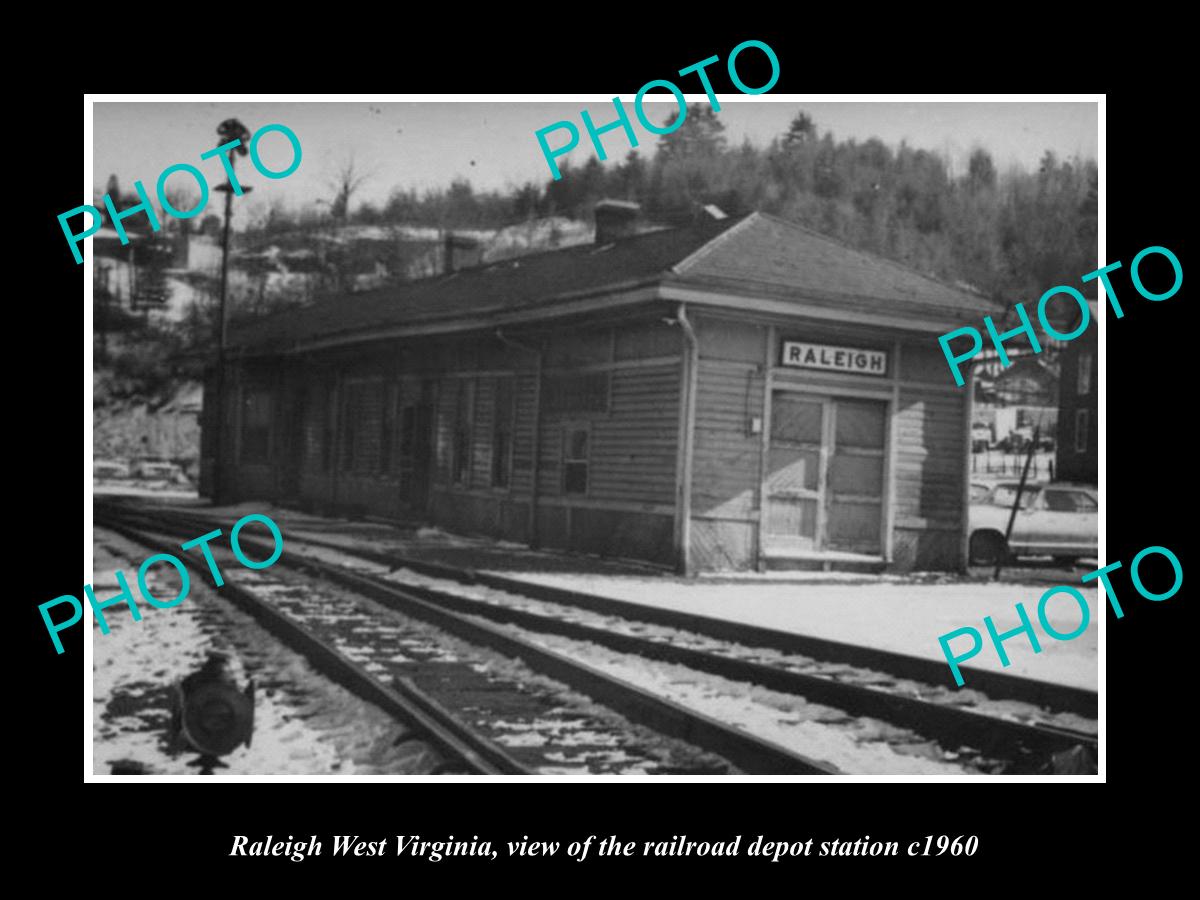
x=426 y=145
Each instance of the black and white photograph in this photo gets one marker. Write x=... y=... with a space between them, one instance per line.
x=509 y=436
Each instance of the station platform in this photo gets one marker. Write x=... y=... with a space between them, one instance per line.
x=900 y=613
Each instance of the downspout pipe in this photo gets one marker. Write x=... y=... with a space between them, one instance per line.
x=687 y=418
x=535 y=475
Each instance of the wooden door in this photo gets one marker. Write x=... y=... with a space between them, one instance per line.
x=855 y=476
x=794 y=501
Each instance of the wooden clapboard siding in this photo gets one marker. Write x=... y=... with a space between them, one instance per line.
x=925 y=362
x=929 y=455
x=726 y=457
x=633 y=446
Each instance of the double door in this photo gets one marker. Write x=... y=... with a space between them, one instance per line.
x=824 y=486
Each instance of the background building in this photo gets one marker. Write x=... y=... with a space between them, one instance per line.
x=1078 y=405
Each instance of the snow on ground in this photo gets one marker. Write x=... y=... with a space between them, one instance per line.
x=143 y=489
x=905 y=613
x=854 y=745
x=886 y=613
x=303 y=724
x=943 y=693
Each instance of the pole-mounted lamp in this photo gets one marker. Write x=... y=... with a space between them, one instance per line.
x=229 y=130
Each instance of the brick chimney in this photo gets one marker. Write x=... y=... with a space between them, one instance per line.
x=460 y=251
x=616 y=219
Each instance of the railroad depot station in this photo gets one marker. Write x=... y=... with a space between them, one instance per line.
x=737 y=393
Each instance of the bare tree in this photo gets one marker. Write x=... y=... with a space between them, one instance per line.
x=347 y=178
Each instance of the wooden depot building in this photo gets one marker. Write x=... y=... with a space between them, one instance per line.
x=736 y=393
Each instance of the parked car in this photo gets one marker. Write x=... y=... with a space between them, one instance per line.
x=1055 y=519
x=103 y=469
x=154 y=469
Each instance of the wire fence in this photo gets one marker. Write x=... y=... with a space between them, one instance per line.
x=996 y=462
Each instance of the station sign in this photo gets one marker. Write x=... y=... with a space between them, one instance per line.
x=832 y=358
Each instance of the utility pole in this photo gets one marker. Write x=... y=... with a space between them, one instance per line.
x=230 y=129
x=1012 y=516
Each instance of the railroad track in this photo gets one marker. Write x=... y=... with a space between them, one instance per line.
x=708 y=745
x=465 y=751
x=996 y=685
x=1013 y=746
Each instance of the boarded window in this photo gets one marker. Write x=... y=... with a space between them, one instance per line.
x=362 y=409
x=464 y=405
x=316 y=429
x=502 y=428
x=256 y=426
x=1081 y=430
x=585 y=392
x=576 y=444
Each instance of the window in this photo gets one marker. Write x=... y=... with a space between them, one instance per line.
x=362 y=410
x=576 y=443
x=502 y=423
x=1084 y=382
x=460 y=462
x=1081 y=430
x=581 y=393
x=316 y=429
x=1069 y=501
x=256 y=426
x=1005 y=494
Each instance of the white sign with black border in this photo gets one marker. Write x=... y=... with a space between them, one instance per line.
x=836 y=359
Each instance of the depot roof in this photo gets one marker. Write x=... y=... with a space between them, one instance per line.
x=735 y=262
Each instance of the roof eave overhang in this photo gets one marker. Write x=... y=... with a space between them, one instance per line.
x=923 y=318
x=617 y=296
x=767 y=300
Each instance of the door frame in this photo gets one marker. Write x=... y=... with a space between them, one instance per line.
x=818 y=494
x=827 y=395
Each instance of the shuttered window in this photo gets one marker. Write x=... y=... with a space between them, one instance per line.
x=362 y=410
